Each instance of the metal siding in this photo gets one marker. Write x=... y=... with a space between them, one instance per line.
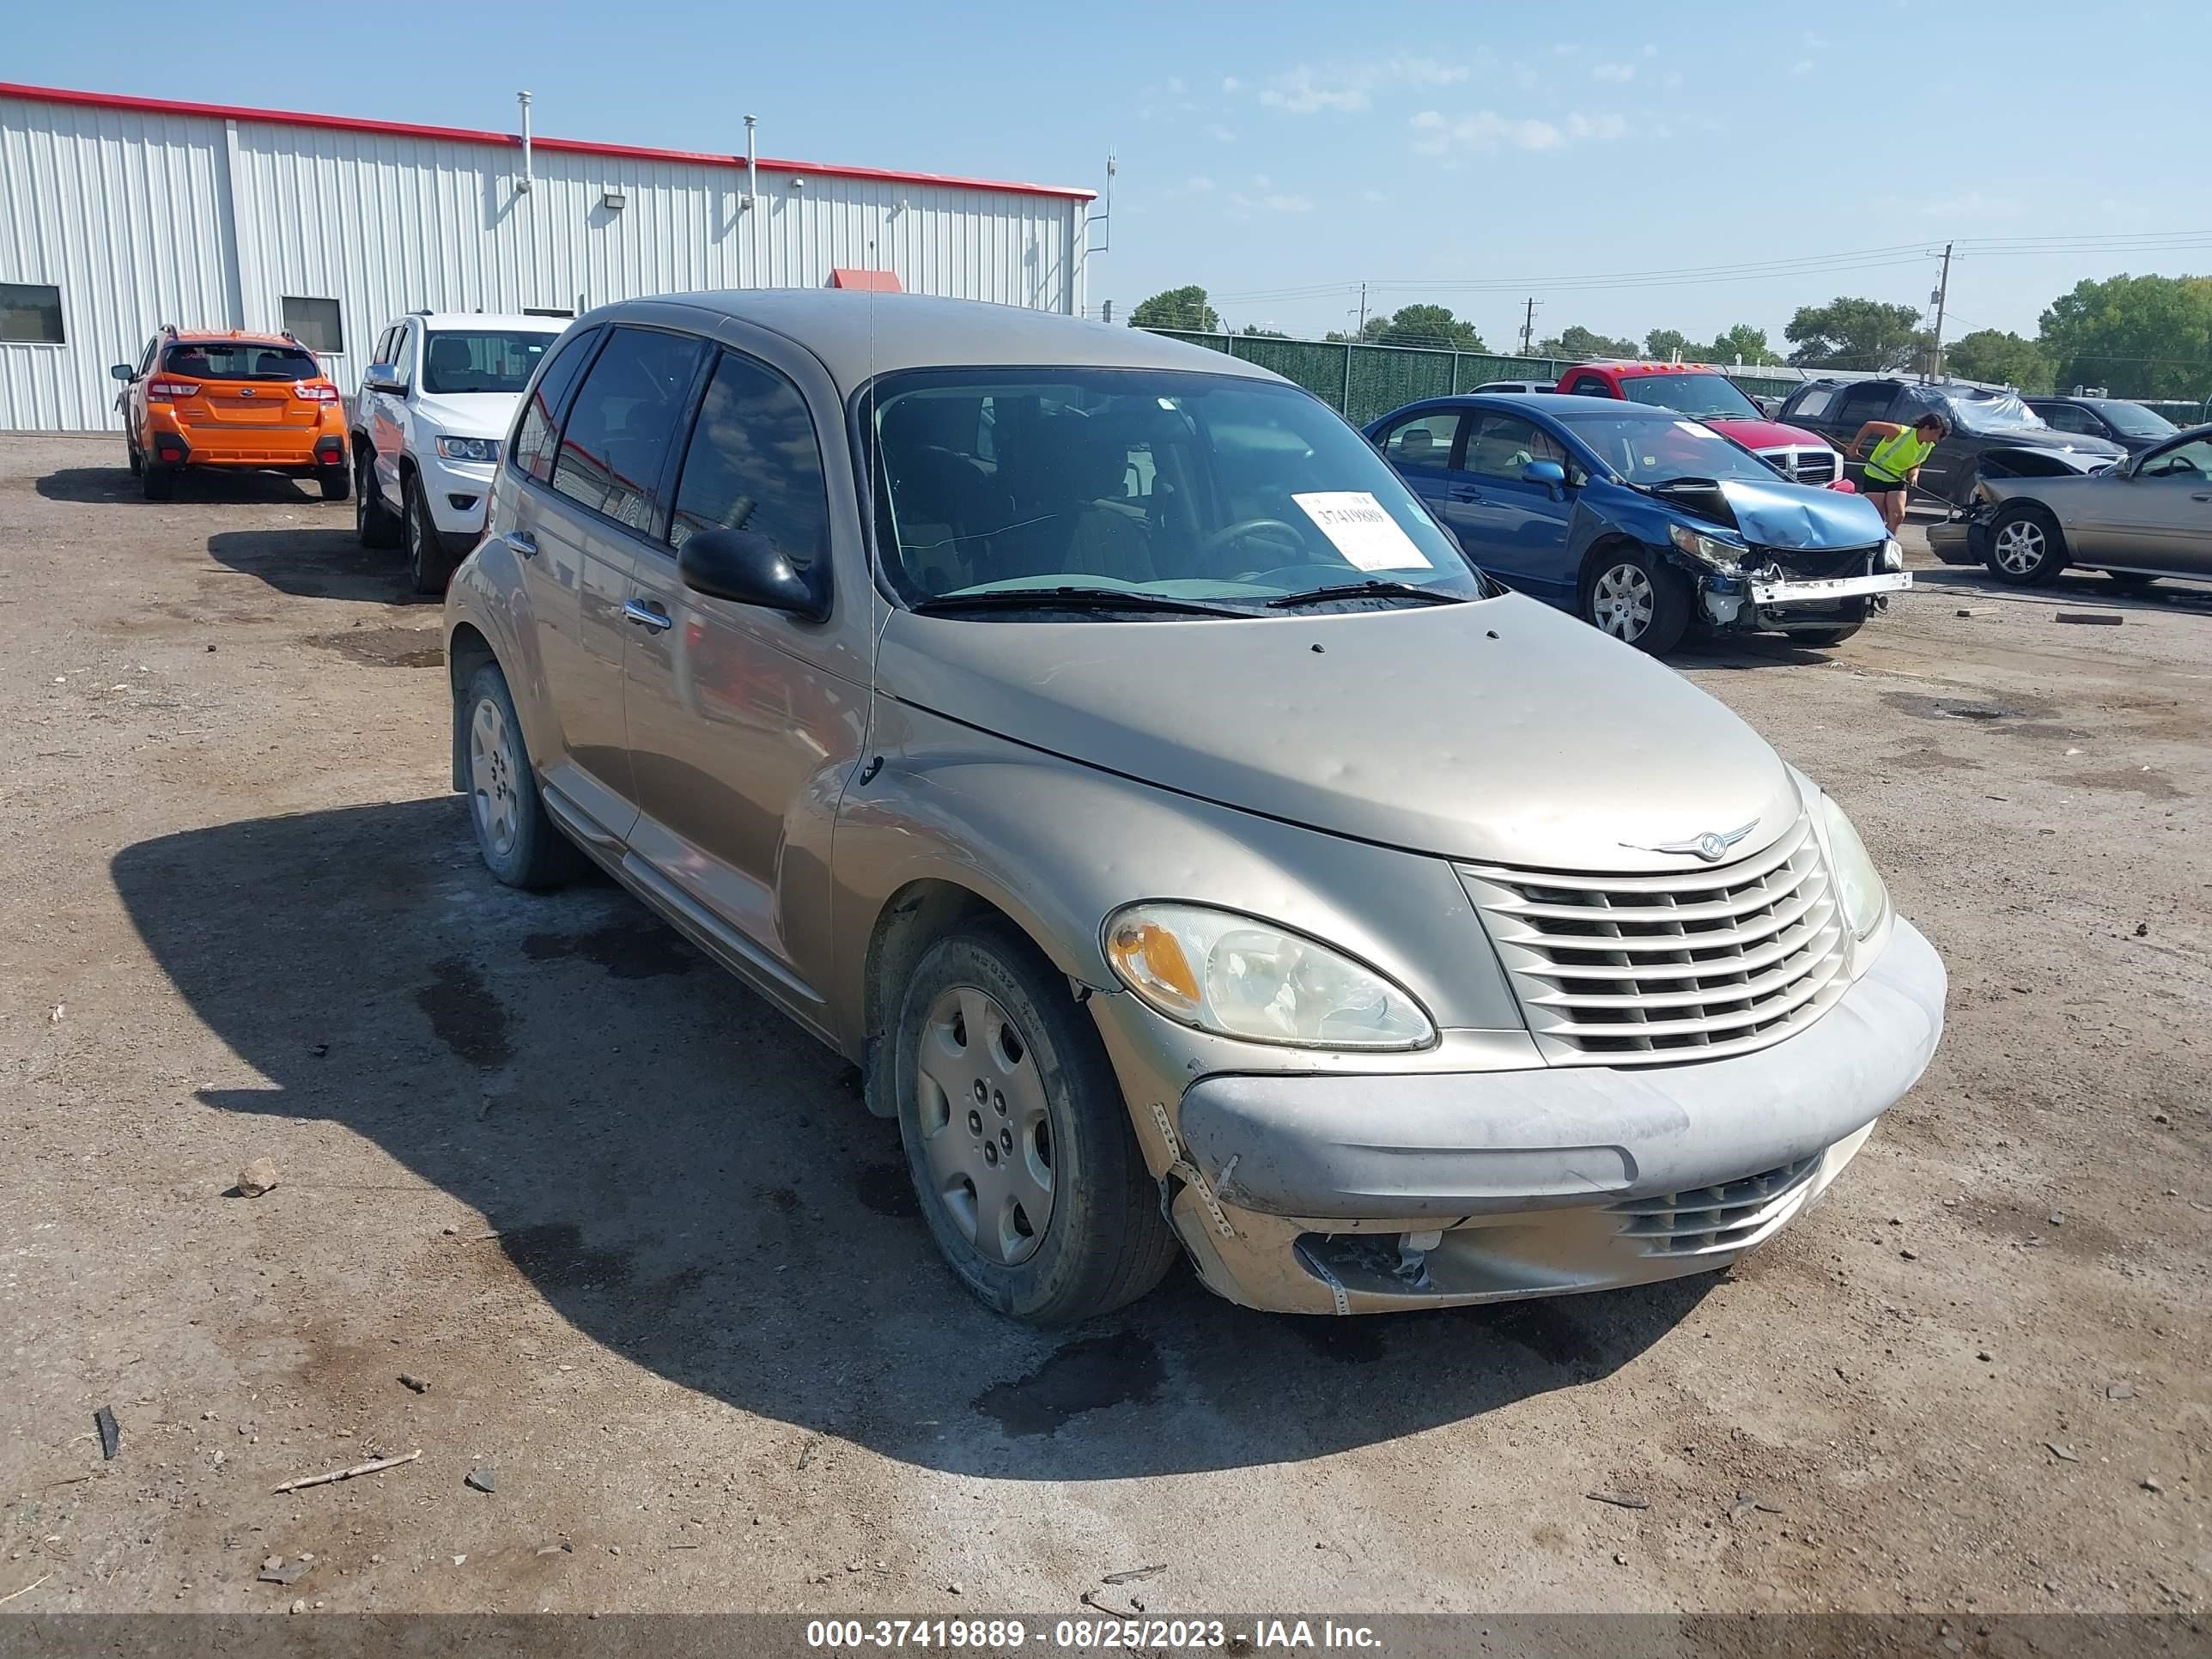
x=142 y=218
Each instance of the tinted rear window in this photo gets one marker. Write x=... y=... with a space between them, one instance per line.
x=237 y=360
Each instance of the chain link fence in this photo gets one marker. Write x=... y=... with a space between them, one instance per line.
x=1362 y=381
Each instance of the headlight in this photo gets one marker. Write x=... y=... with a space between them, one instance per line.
x=469 y=449
x=1893 y=554
x=1237 y=977
x=1721 y=555
x=1865 y=901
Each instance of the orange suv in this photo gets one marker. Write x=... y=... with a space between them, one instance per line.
x=224 y=398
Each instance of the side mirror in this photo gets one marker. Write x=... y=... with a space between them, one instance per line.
x=122 y=372
x=1548 y=475
x=747 y=570
x=383 y=377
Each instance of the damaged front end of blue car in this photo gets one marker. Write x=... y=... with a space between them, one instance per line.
x=1782 y=556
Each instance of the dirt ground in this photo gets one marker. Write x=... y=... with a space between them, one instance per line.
x=663 y=1280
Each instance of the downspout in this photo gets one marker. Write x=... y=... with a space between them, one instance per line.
x=752 y=163
x=523 y=98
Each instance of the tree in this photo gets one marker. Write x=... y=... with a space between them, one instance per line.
x=1429 y=325
x=1863 y=334
x=1996 y=355
x=1582 y=344
x=2138 y=336
x=1370 y=332
x=1177 y=307
x=1253 y=331
x=1665 y=344
x=1743 y=344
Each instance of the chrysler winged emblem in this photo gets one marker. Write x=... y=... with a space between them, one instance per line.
x=1712 y=847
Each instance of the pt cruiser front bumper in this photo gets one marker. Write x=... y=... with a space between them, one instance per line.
x=1359 y=1193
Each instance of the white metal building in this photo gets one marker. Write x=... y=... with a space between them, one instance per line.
x=119 y=214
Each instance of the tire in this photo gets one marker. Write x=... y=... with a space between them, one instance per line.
x=2131 y=581
x=138 y=464
x=1037 y=1073
x=373 y=525
x=1822 y=637
x=1631 y=595
x=2026 y=548
x=429 y=566
x=334 y=481
x=159 y=482
x=520 y=843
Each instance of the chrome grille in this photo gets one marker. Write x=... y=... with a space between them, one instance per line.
x=1648 y=969
x=1807 y=466
x=1713 y=1220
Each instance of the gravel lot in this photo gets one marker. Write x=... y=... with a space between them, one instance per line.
x=660 y=1274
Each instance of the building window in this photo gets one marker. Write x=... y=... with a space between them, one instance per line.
x=31 y=314
x=314 y=324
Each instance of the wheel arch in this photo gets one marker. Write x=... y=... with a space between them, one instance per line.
x=913 y=918
x=466 y=651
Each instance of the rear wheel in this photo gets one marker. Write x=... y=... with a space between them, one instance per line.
x=138 y=464
x=428 y=566
x=2026 y=546
x=520 y=843
x=1017 y=1135
x=1640 y=602
x=374 y=524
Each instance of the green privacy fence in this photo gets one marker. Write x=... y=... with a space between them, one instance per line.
x=1363 y=381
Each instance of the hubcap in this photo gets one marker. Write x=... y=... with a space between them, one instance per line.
x=2019 y=547
x=1620 y=602
x=985 y=1135
x=493 y=771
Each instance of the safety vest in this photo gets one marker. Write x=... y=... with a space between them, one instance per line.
x=1892 y=457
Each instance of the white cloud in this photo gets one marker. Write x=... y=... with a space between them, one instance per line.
x=1196 y=185
x=1275 y=202
x=1306 y=90
x=1218 y=132
x=1261 y=181
x=1372 y=195
x=1650 y=50
x=1525 y=77
x=1175 y=84
x=1674 y=79
x=1438 y=134
x=1802 y=66
x=1619 y=74
x=1232 y=85
x=1815 y=42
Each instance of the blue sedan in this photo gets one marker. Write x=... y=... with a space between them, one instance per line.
x=1641 y=521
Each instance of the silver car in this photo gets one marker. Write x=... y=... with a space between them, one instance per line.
x=2149 y=516
x=1090 y=736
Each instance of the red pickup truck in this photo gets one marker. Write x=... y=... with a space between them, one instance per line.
x=1706 y=394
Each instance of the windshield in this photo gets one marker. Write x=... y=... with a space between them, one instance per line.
x=1705 y=395
x=1193 y=487
x=481 y=359
x=241 y=360
x=2136 y=421
x=1649 y=450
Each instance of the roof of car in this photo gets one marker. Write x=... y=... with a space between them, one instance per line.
x=1632 y=366
x=232 y=336
x=1561 y=404
x=858 y=334
x=517 y=320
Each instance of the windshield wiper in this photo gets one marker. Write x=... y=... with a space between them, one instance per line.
x=1371 y=590
x=1068 y=599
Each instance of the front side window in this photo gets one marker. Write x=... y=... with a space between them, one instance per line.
x=1165 y=484
x=240 y=359
x=537 y=434
x=314 y=324
x=1424 y=440
x=623 y=423
x=1708 y=397
x=2192 y=460
x=1504 y=446
x=402 y=361
x=754 y=463
x=31 y=314
x=1652 y=450
x=458 y=361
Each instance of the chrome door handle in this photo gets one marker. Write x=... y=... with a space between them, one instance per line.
x=521 y=542
x=2201 y=495
x=647 y=616
x=1466 y=493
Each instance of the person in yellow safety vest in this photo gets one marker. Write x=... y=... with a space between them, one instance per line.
x=1894 y=465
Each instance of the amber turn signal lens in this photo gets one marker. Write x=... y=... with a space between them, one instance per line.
x=1145 y=954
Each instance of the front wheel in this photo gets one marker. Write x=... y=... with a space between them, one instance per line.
x=430 y=568
x=1631 y=595
x=520 y=843
x=2026 y=546
x=1017 y=1136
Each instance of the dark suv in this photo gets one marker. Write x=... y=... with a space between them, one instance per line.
x=2132 y=426
x=1991 y=432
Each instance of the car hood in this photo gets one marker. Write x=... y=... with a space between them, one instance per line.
x=469 y=414
x=2028 y=437
x=1500 y=730
x=1785 y=515
x=1767 y=434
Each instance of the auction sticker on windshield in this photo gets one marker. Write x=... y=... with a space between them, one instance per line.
x=1359 y=527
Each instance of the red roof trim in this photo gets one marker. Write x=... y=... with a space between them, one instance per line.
x=514 y=141
x=872 y=281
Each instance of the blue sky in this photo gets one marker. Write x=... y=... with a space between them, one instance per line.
x=1280 y=155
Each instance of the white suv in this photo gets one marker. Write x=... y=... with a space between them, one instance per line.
x=433 y=405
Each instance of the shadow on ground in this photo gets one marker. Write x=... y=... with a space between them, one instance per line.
x=317 y=561
x=2076 y=589
x=119 y=484
x=691 y=1182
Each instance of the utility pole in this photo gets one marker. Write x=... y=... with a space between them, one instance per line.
x=1108 y=316
x=1942 y=295
x=1361 y=334
x=1528 y=329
